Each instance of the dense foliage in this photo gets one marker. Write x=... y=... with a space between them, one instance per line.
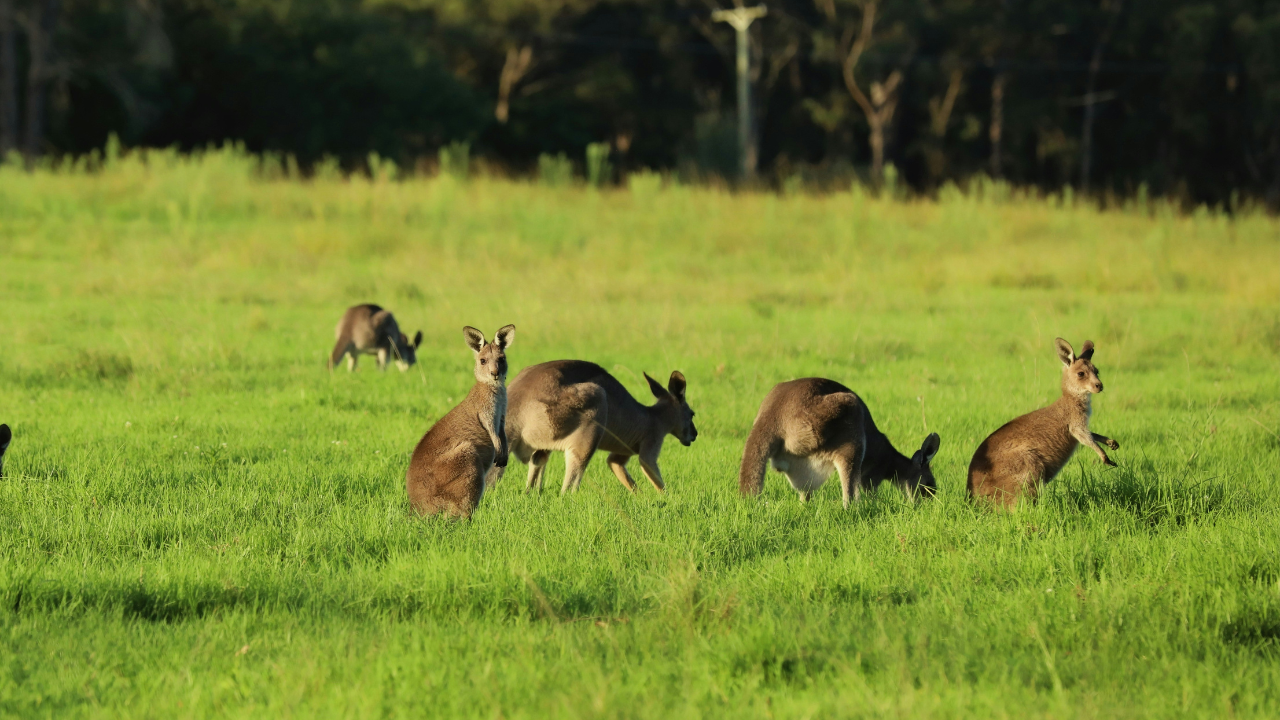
x=1183 y=95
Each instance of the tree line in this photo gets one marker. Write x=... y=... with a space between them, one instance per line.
x=1179 y=97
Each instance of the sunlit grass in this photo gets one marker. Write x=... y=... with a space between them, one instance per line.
x=198 y=519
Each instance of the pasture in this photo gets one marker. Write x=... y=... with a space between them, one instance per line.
x=198 y=520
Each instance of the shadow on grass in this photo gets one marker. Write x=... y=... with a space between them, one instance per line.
x=1256 y=629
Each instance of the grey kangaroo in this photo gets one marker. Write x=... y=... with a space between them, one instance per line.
x=1028 y=451
x=578 y=407
x=370 y=330
x=449 y=466
x=6 y=435
x=809 y=427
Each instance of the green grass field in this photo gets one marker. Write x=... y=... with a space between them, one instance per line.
x=198 y=520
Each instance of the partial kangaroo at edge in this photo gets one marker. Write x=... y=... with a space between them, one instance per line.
x=370 y=330
x=577 y=407
x=6 y=435
x=1028 y=451
x=809 y=427
x=451 y=464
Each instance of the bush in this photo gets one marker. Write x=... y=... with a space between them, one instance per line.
x=599 y=169
x=555 y=170
x=455 y=159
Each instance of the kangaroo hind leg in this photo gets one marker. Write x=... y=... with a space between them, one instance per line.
x=849 y=467
x=576 y=456
x=537 y=464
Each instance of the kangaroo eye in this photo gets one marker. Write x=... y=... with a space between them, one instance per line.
x=483 y=361
x=1079 y=374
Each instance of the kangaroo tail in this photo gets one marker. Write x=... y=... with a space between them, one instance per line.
x=755 y=460
x=339 y=349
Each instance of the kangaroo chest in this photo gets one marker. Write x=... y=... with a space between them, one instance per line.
x=500 y=408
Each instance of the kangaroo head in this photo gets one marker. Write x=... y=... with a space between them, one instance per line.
x=491 y=357
x=1079 y=376
x=673 y=407
x=920 y=476
x=406 y=350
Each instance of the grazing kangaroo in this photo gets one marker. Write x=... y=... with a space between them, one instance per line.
x=578 y=407
x=811 y=426
x=370 y=330
x=449 y=465
x=1028 y=451
x=5 y=436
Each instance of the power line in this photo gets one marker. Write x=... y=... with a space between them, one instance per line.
x=1133 y=67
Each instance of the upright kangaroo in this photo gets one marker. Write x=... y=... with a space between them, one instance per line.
x=811 y=426
x=578 y=407
x=449 y=465
x=5 y=436
x=1028 y=451
x=370 y=330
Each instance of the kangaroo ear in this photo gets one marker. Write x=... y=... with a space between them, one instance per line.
x=657 y=390
x=676 y=385
x=1065 y=353
x=417 y=340
x=475 y=338
x=505 y=336
x=929 y=448
x=1086 y=352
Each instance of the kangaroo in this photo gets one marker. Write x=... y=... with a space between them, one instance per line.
x=5 y=436
x=1028 y=451
x=811 y=426
x=370 y=330
x=578 y=407
x=449 y=466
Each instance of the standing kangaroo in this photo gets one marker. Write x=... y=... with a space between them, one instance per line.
x=5 y=436
x=578 y=407
x=449 y=466
x=811 y=426
x=370 y=330
x=1028 y=451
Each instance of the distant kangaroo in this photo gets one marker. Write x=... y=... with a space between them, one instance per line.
x=1028 y=451
x=5 y=436
x=370 y=330
x=811 y=426
x=449 y=465
x=578 y=407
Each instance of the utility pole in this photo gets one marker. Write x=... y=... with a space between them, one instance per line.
x=741 y=18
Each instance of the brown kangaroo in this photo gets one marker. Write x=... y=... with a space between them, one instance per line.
x=449 y=466
x=370 y=330
x=578 y=407
x=1028 y=451
x=6 y=435
x=811 y=426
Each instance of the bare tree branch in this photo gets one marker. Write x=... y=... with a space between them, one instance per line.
x=516 y=66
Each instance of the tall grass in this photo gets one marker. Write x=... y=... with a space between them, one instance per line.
x=199 y=520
